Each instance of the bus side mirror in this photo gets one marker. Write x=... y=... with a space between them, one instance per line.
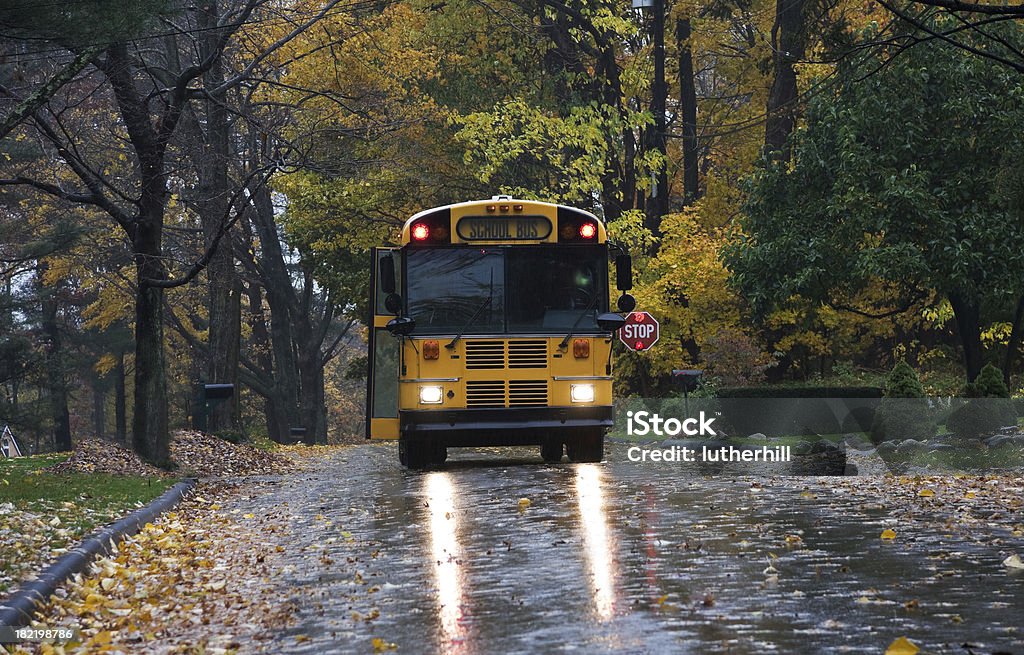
x=401 y=327
x=623 y=272
x=610 y=322
x=387 y=274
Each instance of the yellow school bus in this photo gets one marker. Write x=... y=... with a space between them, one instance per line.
x=491 y=326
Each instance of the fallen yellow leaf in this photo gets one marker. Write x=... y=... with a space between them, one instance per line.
x=926 y=493
x=888 y=535
x=1013 y=562
x=379 y=645
x=902 y=646
x=524 y=503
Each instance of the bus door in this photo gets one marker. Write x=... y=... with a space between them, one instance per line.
x=382 y=356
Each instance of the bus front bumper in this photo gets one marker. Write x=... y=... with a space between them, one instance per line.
x=504 y=425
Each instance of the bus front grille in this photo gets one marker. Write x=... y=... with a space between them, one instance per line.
x=485 y=354
x=527 y=392
x=528 y=353
x=485 y=393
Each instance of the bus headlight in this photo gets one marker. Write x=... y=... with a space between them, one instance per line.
x=431 y=395
x=581 y=393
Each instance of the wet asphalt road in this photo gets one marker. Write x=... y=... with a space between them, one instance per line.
x=624 y=558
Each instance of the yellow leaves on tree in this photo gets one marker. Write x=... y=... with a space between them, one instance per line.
x=687 y=288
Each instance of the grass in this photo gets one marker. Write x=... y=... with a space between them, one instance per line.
x=42 y=514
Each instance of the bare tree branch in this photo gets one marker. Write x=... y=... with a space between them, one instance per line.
x=38 y=98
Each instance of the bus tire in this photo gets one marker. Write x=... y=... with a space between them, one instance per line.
x=403 y=456
x=551 y=451
x=587 y=447
x=418 y=454
x=438 y=453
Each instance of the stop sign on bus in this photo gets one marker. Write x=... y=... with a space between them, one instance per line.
x=640 y=332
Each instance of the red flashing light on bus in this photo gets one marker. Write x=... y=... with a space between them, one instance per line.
x=588 y=230
x=420 y=232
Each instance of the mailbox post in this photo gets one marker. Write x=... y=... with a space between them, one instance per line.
x=206 y=397
x=688 y=379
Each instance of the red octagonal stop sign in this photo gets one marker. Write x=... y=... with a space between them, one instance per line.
x=640 y=332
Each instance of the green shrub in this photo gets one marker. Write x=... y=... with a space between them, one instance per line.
x=903 y=412
x=989 y=409
x=988 y=384
x=799 y=392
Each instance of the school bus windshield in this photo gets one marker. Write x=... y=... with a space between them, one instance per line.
x=497 y=290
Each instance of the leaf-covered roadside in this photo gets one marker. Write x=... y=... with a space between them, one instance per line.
x=42 y=514
x=196 y=581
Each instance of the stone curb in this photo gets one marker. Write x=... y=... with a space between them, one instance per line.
x=16 y=610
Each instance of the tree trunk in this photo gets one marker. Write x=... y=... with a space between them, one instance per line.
x=149 y=414
x=688 y=109
x=1013 y=347
x=788 y=44
x=313 y=408
x=99 y=410
x=277 y=423
x=968 y=324
x=280 y=298
x=120 y=402
x=657 y=205
x=149 y=425
x=224 y=335
x=55 y=374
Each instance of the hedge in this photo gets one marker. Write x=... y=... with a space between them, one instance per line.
x=799 y=392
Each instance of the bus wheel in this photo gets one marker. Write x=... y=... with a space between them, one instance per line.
x=587 y=447
x=551 y=451
x=417 y=453
x=403 y=455
x=439 y=453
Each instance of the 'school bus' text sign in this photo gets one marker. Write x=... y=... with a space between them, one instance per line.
x=640 y=332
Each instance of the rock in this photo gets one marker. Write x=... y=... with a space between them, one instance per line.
x=802 y=448
x=1001 y=439
x=935 y=447
x=758 y=435
x=886 y=448
x=910 y=446
x=1009 y=442
x=822 y=447
x=831 y=462
x=857 y=441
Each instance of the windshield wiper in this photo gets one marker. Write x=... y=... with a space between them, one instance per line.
x=480 y=308
x=565 y=341
x=476 y=312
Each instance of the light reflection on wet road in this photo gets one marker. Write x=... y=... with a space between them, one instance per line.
x=623 y=558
